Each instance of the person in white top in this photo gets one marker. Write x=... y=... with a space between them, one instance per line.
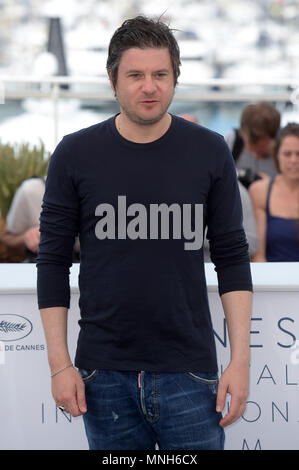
x=21 y=236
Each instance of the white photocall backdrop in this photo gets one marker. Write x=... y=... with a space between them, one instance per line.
x=30 y=419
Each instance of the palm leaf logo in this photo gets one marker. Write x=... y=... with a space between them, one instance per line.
x=8 y=327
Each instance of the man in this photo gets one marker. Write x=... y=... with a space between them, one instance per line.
x=253 y=143
x=139 y=189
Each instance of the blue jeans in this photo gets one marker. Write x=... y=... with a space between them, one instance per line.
x=128 y=410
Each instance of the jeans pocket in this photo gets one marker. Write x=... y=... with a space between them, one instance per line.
x=205 y=378
x=209 y=378
x=88 y=374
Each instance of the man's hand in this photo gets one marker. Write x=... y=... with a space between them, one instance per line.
x=68 y=390
x=235 y=381
x=32 y=238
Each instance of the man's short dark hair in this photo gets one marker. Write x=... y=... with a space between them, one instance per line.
x=260 y=120
x=142 y=32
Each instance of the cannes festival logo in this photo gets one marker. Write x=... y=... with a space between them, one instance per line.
x=138 y=226
x=14 y=327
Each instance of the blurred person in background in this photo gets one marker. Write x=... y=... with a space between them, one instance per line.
x=190 y=117
x=248 y=214
x=146 y=354
x=22 y=236
x=276 y=202
x=252 y=144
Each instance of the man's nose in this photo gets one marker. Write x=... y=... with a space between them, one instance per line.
x=148 y=85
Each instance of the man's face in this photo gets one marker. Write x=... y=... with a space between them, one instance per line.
x=145 y=84
x=262 y=148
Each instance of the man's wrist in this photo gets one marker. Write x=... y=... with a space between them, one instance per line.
x=62 y=369
x=58 y=362
x=240 y=361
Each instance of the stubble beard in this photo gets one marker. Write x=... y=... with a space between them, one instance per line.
x=141 y=121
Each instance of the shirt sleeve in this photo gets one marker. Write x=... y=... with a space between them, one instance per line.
x=59 y=225
x=228 y=243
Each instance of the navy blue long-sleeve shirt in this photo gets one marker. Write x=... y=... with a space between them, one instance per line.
x=140 y=211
